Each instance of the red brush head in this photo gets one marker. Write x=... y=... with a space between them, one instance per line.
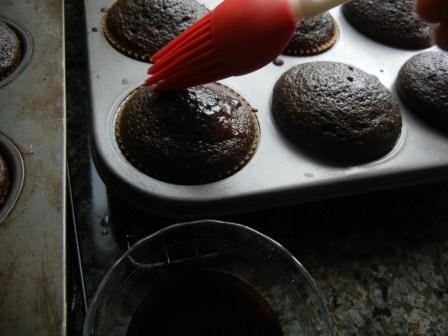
x=249 y=34
x=236 y=38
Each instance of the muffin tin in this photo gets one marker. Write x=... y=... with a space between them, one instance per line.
x=279 y=172
x=32 y=141
x=26 y=44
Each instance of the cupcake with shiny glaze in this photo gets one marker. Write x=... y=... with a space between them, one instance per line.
x=193 y=136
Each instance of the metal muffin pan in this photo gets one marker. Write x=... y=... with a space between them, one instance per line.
x=279 y=172
x=16 y=171
x=32 y=114
x=26 y=44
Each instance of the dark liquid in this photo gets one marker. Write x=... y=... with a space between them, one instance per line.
x=204 y=303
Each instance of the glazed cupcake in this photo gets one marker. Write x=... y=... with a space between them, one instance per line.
x=194 y=136
x=391 y=22
x=337 y=111
x=10 y=51
x=423 y=85
x=139 y=28
x=313 y=36
x=4 y=181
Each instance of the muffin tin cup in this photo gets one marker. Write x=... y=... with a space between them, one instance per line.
x=280 y=172
x=32 y=115
x=16 y=170
x=26 y=44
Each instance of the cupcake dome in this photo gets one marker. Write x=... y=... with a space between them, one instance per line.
x=193 y=136
x=10 y=52
x=4 y=181
x=313 y=36
x=337 y=111
x=423 y=85
x=139 y=28
x=392 y=22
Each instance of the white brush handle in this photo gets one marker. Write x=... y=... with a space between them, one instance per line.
x=305 y=9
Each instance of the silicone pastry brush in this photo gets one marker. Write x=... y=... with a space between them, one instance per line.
x=237 y=37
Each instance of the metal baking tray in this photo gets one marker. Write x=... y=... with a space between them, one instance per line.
x=279 y=173
x=32 y=140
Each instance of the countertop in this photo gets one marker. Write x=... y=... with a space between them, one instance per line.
x=380 y=259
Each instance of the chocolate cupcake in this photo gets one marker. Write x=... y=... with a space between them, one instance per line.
x=313 y=36
x=392 y=22
x=139 y=28
x=337 y=111
x=4 y=181
x=423 y=85
x=10 y=51
x=194 y=136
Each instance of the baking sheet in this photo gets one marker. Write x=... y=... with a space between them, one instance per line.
x=278 y=173
x=32 y=116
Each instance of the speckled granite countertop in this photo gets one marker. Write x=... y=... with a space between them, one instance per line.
x=381 y=260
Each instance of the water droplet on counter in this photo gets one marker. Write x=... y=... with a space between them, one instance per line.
x=278 y=61
x=105 y=221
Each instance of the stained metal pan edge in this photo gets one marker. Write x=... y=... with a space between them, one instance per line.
x=32 y=114
x=279 y=173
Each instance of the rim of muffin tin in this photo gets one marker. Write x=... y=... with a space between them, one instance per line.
x=16 y=170
x=124 y=97
x=27 y=46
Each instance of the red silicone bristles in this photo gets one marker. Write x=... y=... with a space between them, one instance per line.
x=207 y=72
x=183 y=38
x=186 y=82
x=196 y=46
x=191 y=60
x=184 y=75
x=200 y=64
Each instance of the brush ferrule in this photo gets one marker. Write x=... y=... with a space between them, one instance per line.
x=305 y=9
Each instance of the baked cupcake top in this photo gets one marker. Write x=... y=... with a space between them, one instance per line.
x=4 y=181
x=10 y=51
x=337 y=111
x=193 y=136
x=139 y=28
x=392 y=22
x=423 y=85
x=313 y=36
